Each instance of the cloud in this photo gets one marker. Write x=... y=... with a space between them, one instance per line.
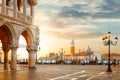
x=77 y=11
x=94 y=9
x=74 y=31
x=81 y=19
x=76 y=35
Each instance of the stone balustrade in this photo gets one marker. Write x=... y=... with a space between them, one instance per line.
x=19 y=14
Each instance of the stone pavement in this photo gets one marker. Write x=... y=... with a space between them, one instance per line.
x=61 y=72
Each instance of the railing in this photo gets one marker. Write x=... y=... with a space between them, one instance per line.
x=9 y=11
x=20 y=15
x=29 y=19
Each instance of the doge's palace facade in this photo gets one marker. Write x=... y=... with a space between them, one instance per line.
x=15 y=20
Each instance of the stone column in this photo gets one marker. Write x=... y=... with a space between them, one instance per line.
x=32 y=58
x=6 y=50
x=4 y=7
x=6 y=59
x=13 y=63
x=32 y=12
x=32 y=3
x=15 y=8
x=24 y=10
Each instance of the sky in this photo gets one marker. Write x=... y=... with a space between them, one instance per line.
x=85 y=21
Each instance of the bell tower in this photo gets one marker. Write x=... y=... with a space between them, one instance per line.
x=72 y=47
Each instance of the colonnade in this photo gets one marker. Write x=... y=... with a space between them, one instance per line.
x=13 y=62
x=12 y=28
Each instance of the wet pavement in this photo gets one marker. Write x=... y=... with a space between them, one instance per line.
x=61 y=72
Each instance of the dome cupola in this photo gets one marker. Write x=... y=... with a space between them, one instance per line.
x=88 y=49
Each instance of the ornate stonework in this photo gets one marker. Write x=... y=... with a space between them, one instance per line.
x=32 y=2
x=14 y=23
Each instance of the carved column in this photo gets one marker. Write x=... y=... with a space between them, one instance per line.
x=6 y=59
x=4 y=7
x=32 y=3
x=13 y=63
x=32 y=12
x=32 y=58
x=6 y=50
x=15 y=8
x=24 y=9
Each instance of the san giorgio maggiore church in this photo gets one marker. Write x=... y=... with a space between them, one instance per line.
x=17 y=18
x=85 y=56
x=82 y=57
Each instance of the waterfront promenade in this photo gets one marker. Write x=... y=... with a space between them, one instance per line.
x=61 y=72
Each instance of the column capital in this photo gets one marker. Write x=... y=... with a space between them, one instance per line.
x=13 y=46
x=31 y=50
x=6 y=47
x=32 y=2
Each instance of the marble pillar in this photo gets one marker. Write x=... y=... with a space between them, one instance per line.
x=24 y=10
x=6 y=59
x=32 y=12
x=13 y=63
x=4 y=7
x=32 y=58
x=5 y=50
x=15 y=8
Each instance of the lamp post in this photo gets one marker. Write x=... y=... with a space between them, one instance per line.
x=61 y=54
x=107 y=41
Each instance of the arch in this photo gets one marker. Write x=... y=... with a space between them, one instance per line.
x=8 y=32
x=8 y=39
x=29 y=37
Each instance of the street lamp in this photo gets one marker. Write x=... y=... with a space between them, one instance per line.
x=108 y=41
x=62 y=54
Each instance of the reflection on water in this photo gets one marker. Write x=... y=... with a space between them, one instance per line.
x=18 y=75
x=32 y=74
x=13 y=76
x=5 y=76
x=8 y=75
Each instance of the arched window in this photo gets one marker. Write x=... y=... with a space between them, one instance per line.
x=20 y=5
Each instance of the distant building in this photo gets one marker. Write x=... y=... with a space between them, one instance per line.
x=83 y=56
x=72 y=47
x=113 y=56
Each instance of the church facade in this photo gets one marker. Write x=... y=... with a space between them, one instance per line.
x=15 y=20
x=82 y=56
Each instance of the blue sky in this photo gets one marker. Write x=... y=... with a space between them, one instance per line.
x=81 y=20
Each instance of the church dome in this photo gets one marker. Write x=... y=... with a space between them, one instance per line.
x=88 y=49
x=72 y=43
